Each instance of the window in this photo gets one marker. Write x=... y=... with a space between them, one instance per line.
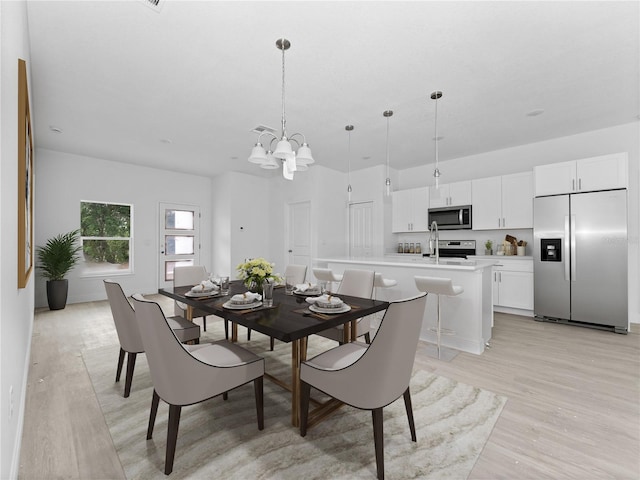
x=106 y=237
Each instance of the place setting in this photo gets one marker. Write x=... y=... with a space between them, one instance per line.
x=203 y=290
x=244 y=301
x=324 y=306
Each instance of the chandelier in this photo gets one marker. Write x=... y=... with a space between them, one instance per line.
x=291 y=160
x=436 y=173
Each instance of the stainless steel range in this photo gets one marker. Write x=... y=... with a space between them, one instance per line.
x=455 y=248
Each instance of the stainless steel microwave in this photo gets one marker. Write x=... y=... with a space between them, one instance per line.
x=451 y=218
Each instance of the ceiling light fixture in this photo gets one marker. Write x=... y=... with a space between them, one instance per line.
x=291 y=161
x=436 y=173
x=349 y=129
x=387 y=182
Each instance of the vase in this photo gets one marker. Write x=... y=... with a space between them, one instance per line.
x=254 y=287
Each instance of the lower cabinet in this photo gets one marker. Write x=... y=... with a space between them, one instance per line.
x=513 y=285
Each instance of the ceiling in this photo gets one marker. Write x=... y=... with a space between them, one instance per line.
x=181 y=88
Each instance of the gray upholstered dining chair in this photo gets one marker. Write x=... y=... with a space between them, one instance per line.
x=129 y=335
x=189 y=275
x=357 y=283
x=297 y=272
x=370 y=377
x=183 y=376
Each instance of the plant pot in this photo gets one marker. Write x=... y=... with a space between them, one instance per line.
x=57 y=293
x=488 y=252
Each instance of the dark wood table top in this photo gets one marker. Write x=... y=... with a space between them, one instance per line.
x=289 y=319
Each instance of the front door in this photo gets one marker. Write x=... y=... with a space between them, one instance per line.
x=179 y=239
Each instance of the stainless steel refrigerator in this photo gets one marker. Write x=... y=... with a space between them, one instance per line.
x=580 y=259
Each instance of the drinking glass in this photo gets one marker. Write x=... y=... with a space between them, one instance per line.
x=289 y=285
x=224 y=285
x=267 y=294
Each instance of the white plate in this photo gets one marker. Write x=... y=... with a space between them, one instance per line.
x=201 y=294
x=246 y=306
x=343 y=309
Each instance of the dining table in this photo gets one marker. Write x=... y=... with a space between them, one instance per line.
x=289 y=320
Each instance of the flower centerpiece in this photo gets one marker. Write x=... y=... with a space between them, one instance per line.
x=255 y=272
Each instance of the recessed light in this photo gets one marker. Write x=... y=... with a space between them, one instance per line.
x=55 y=129
x=440 y=137
x=166 y=140
x=366 y=158
x=535 y=113
x=234 y=158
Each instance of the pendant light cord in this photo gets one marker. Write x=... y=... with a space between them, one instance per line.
x=284 y=132
x=436 y=132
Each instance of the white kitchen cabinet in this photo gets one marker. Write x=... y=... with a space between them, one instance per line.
x=585 y=175
x=513 y=284
x=410 y=210
x=503 y=202
x=450 y=194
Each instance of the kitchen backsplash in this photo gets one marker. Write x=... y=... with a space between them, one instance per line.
x=480 y=236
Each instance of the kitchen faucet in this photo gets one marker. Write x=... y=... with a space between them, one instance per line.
x=434 y=239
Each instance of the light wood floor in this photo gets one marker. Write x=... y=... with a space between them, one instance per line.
x=573 y=408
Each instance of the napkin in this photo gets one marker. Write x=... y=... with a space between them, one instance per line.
x=302 y=287
x=324 y=299
x=246 y=297
x=204 y=286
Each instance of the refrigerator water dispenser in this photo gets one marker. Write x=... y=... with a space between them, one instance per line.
x=550 y=250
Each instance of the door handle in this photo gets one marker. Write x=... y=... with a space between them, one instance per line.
x=573 y=248
x=567 y=234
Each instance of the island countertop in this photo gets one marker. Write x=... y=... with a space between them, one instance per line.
x=414 y=262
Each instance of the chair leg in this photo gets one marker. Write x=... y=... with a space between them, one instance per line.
x=258 y=384
x=248 y=334
x=367 y=337
x=378 y=440
x=131 y=364
x=204 y=323
x=225 y=396
x=152 y=414
x=172 y=437
x=226 y=329
x=271 y=343
x=305 y=394
x=120 y=363
x=409 y=408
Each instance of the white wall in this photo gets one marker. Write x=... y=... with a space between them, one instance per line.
x=16 y=305
x=63 y=180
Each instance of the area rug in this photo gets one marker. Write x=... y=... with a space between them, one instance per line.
x=220 y=439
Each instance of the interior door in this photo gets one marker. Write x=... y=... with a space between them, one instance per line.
x=361 y=229
x=299 y=237
x=179 y=239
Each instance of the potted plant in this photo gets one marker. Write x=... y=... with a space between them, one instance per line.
x=55 y=260
x=488 y=247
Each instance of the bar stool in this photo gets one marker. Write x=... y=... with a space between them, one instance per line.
x=327 y=275
x=438 y=286
x=379 y=282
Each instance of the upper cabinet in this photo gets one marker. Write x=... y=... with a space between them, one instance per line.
x=504 y=202
x=586 y=175
x=410 y=210
x=450 y=194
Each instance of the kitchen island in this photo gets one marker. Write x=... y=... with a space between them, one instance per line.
x=469 y=315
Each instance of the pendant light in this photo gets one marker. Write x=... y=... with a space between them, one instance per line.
x=349 y=129
x=387 y=182
x=436 y=173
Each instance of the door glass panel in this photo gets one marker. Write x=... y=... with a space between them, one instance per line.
x=170 y=265
x=179 y=244
x=179 y=219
